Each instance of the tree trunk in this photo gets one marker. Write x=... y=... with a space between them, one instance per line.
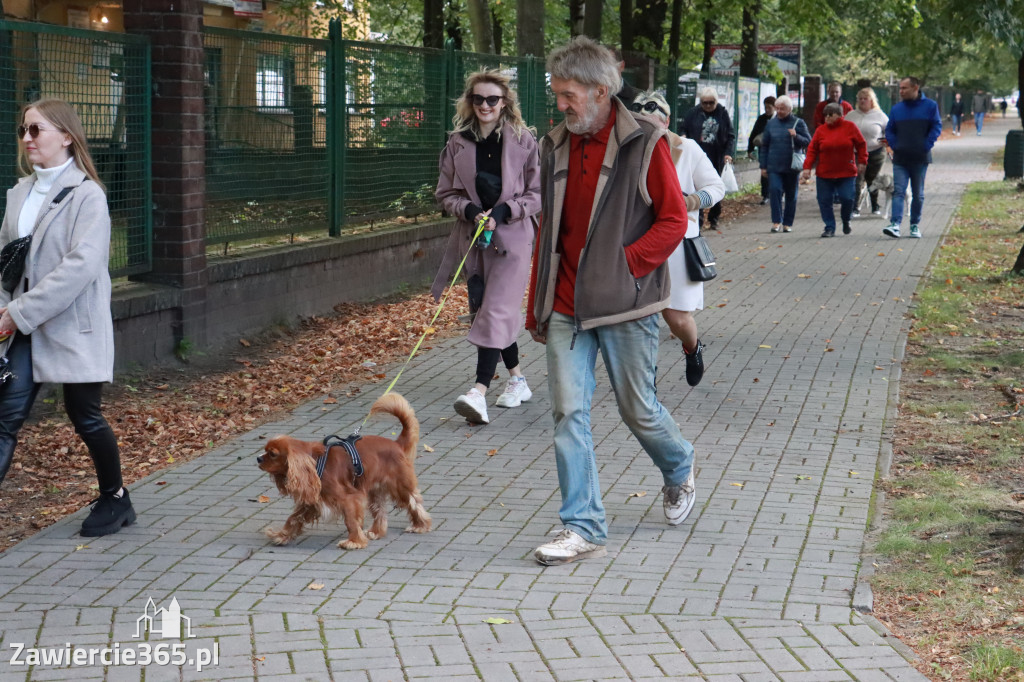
x=1018 y=267
x=496 y=31
x=673 y=35
x=575 y=18
x=433 y=24
x=649 y=22
x=530 y=28
x=626 y=31
x=749 y=47
x=710 y=28
x=1020 y=86
x=592 y=10
x=480 y=22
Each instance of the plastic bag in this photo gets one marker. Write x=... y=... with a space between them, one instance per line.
x=729 y=179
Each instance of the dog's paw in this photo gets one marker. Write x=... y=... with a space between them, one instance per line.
x=278 y=536
x=422 y=528
x=353 y=544
x=374 y=535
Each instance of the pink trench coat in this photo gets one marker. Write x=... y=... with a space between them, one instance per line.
x=505 y=264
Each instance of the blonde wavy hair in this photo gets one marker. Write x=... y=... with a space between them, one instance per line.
x=63 y=116
x=465 y=117
x=871 y=96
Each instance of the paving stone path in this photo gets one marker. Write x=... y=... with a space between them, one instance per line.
x=805 y=337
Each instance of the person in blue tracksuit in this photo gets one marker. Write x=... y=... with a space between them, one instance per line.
x=914 y=126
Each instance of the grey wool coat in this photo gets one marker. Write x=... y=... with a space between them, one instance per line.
x=505 y=264
x=65 y=310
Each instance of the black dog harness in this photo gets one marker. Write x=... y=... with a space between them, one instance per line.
x=350 y=447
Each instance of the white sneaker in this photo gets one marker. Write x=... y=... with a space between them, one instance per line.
x=567 y=546
x=473 y=406
x=678 y=500
x=893 y=230
x=516 y=393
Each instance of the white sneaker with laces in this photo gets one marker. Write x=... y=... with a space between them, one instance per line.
x=473 y=406
x=567 y=546
x=516 y=393
x=678 y=500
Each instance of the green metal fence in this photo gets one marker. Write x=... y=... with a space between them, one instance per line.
x=105 y=76
x=266 y=134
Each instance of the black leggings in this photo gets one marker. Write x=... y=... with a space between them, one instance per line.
x=487 y=361
x=82 y=402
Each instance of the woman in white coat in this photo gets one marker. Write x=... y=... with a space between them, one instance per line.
x=702 y=187
x=57 y=314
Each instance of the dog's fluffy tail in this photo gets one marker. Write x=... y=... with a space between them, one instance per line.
x=395 y=404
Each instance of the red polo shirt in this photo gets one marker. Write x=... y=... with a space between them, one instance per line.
x=646 y=253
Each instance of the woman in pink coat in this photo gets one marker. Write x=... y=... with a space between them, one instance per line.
x=490 y=173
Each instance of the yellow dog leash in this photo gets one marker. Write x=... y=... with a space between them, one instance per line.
x=430 y=325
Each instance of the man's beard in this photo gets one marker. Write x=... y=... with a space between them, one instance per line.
x=585 y=119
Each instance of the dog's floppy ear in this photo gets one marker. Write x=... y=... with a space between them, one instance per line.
x=303 y=484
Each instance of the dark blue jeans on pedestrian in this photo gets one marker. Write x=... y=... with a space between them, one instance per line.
x=979 y=120
x=843 y=188
x=914 y=177
x=82 y=404
x=956 y=122
x=783 y=186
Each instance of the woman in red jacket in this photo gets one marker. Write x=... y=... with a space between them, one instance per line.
x=841 y=154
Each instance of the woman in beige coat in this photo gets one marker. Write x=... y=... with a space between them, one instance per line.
x=56 y=316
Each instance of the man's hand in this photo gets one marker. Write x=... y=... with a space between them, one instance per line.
x=764 y=172
x=861 y=169
x=539 y=338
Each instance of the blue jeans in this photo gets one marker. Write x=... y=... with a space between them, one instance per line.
x=901 y=177
x=783 y=185
x=979 y=119
x=956 y=122
x=829 y=187
x=630 y=353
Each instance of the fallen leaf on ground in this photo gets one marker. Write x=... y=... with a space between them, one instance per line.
x=492 y=453
x=427 y=448
x=641 y=493
x=498 y=621
x=316 y=586
x=263 y=498
x=738 y=485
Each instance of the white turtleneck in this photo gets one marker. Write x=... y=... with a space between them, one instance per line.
x=34 y=201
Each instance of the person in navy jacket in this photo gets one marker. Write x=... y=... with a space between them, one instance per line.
x=914 y=126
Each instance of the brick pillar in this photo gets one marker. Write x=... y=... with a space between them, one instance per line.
x=175 y=31
x=812 y=95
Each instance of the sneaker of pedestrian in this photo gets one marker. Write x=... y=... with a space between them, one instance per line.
x=109 y=515
x=694 y=364
x=713 y=225
x=567 y=546
x=856 y=213
x=787 y=228
x=473 y=406
x=828 y=233
x=776 y=228
x=764 y=200
x=915 y=232
x=876 y=211
x=893 y=230
x=677 y=500
x=516 y=393
x=846 y=227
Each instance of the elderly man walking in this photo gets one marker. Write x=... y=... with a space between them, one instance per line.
x=914 y=126
x=612 y=213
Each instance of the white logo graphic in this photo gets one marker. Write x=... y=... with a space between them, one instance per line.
x=165 y=623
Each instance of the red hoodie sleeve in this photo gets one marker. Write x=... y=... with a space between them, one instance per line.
x=657 y=244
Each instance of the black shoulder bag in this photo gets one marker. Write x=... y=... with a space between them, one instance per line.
x=15 y=253
x=700 y=262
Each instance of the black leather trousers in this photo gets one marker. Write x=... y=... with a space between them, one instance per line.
x=82 y=402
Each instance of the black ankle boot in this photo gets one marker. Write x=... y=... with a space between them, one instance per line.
x=694 y=364
x=109 y=514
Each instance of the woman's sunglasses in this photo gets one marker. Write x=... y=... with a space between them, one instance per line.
x=492 y=101
x=33 y=130
x=650 y=107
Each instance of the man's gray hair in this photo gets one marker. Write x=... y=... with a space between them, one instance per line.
x=710 y=93
x=586 y=62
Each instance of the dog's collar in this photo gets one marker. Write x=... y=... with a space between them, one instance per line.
x=350 y=447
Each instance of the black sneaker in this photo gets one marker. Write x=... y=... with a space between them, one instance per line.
x=695 y=364
x=828 y=233
x=109 y=514
x=846 y=228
